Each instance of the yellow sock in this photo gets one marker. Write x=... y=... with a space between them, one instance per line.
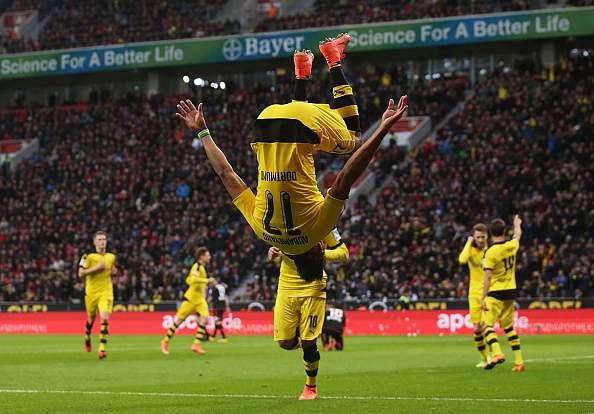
x=171 y=332
x=311 y=362
x=104 y=335
x=491 y=338
x=514 y=342
x=201 y=334
x=479 y=341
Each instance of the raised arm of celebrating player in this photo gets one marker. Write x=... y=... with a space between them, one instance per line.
x=194 y=119
x=361 y=158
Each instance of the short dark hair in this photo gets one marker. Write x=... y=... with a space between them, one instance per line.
x=310 y=264
x=200 y=251
x=480 y=227
x=497 y=227
x=99 y=233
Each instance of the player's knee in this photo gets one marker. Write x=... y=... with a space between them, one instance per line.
x=289 y=344
x=311 y=353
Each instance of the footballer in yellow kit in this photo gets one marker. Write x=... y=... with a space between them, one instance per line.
x=194 y=301
x=288 y=210
x=98 y=268
x=472 y=255
x=499 y=291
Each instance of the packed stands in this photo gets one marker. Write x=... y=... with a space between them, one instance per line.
x=78 y=23
x=148 y=194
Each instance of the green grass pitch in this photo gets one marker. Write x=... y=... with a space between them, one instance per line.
x=43 y=374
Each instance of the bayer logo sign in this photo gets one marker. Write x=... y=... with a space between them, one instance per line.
x=232 y=49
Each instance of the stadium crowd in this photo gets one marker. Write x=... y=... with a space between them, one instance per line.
x=126 y=165
x=76 y=23
x=336 y=13
x=79 y=23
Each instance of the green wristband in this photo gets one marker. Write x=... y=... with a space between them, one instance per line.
x=203 y=134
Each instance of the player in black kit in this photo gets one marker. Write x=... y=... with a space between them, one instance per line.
x=219 y=304
x=333 y=329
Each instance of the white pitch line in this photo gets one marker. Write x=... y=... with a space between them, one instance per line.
x=260 y=396
x=555 y=359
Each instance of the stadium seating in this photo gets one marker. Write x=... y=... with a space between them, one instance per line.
x=336 y=13
x=77 y=23
x=127 y=166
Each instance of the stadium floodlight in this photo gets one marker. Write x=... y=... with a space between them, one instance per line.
x=585 y=53
x=214 y=85
x=186 y=79
x=436 y=75
x=222 y=85
x=199 y=82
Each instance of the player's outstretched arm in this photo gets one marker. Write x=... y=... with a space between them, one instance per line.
x=361 y=158
x=517 y=227
x=194 y=119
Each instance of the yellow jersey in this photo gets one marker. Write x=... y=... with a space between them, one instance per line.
x=98 y=282
x=196 y=281
x=500 y=258
x=288 y=210
x=293 y=285
x=473 y=257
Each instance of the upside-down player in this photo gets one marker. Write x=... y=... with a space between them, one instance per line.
x=499 y=291
x=194 y=301
x=472 y=254
x=98 y=268
x=289 y=212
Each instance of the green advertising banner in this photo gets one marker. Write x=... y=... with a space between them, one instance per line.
x=409 y=34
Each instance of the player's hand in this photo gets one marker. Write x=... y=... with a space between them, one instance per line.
x=470 y=239
x=517 y=221
x=194 y=118
x=391 y=115
x=484 y=304
x=101 y=266
x=273 y=253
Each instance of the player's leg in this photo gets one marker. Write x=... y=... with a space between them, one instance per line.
x=183 y=312
x=194 y=118
x=201 y=332
x=219 y=325
x=339 y=342
x=303 y=60
x=476 y=311
x=491 y=316
x=343 y=100
x=310 y=328
x=105 y=308
x=507 y=323
x=91 y=307
x=286 y=322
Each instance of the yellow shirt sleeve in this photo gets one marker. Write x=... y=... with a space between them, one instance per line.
x=489 y=260
x=336 y=250
x=465 y=253
x=515 y=243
